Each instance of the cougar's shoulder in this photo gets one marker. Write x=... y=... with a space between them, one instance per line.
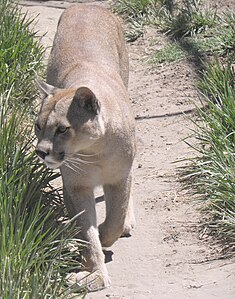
x=88 y=36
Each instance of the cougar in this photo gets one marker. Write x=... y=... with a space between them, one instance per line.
x=85 y=127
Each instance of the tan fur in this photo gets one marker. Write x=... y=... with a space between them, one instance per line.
x=85 y=126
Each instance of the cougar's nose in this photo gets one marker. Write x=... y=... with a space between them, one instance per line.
x=41 y=154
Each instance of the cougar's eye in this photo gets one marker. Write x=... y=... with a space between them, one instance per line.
x=62 y=129
x=37 y=127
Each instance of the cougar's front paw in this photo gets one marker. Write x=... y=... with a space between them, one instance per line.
x=128 y=227
x=91 y=281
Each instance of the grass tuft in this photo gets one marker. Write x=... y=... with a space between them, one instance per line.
x=20 y=54
x=196 y=32
x=187 y=19
x=227 y=35
x=211 y=173
x=138 y=14
x=34 y=243
x=172 y=52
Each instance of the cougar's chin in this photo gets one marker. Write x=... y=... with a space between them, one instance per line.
x=50 y=163
x=55 y=165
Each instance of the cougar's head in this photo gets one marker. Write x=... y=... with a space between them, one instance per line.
x=69 y=121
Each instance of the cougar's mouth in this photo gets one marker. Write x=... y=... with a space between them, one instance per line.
x=52 y=163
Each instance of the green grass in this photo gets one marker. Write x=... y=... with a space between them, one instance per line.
x=202 y=29
x=133 y=9
x=172 y=52
x=197 y=32
x=176 y=20
x=138 y=14
x=20 y=54
x=35 y=244
x=34 y=248
x=227 y=34
x=191 y=21
x=187 y=19
x=211 y=173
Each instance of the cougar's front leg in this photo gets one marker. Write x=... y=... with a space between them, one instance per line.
x=119 y=212
x=81 y=200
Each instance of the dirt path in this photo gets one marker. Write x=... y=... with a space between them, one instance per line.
x=164 y=258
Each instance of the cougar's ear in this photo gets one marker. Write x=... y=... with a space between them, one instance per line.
x=87 y=100
x=45 y=88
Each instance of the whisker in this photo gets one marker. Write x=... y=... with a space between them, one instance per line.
x=81 y=161
x=70 y=167
x=87 y=155
x=84 y=155
x=74 y=167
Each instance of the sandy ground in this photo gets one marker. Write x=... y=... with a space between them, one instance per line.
x=166 y=257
